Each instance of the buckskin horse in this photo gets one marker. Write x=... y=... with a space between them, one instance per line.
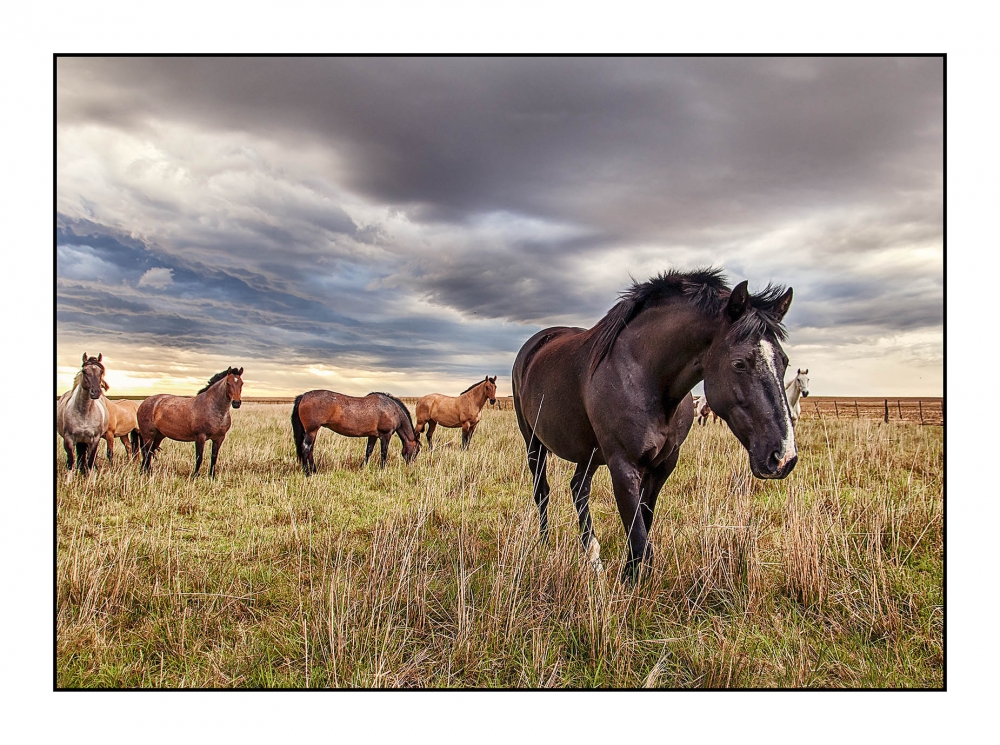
x=464 y=410
x=187 y=419
x=618 y=394
x=122 y=423
x=82 y=415
x=376 y=416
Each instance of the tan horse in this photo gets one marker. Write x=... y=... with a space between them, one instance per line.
x=204 y=417
x=464 y=410
x=123 y=425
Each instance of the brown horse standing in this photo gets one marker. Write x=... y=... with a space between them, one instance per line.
x=124 y=425
x=186 y=419
x=464 y=410
x=375 y=416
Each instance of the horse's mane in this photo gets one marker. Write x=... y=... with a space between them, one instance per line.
x=704 y=289
x=215 y=379
x=472 y=386
x=398 y=403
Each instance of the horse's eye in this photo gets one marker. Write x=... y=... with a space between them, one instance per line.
x=740 y=365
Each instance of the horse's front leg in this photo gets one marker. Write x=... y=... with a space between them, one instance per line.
x=626 y=479
x=467 y=432
x=216 y=447
x=92 y=452
x=109 y=437
x=70 y=459
x=431 y=426
x=580 y=488
x=199 y=451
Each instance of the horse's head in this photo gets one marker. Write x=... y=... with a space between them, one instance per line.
x=802 y=380
x=234 y=386
x=491 y=389
x=92 y=379
x=744 y=369
x=411 y=449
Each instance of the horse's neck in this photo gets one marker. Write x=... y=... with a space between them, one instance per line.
x=216 y=396
x=669 y=341
x=477 y=396
x=81 y=401
x=792 y=390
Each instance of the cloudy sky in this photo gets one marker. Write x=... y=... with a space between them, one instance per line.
x=406 y=224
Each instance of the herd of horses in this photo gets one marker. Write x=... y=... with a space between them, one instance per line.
x=614 y=395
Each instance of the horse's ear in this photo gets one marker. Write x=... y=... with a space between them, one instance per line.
x=806 y=371
x=238 y=372
x=84 y=356
x=738 y=300
x=781 y=306
x=100 y=356
x=493 y=380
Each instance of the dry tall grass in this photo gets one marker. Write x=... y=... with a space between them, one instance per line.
x=432 y=574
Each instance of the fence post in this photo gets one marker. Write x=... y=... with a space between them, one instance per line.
x=920 y=404
x=899 y=408
x=836 y=410
x=857 y=414
x=818 y=415
x=886 y=419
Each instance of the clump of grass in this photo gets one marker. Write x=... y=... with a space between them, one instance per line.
x=432 y=575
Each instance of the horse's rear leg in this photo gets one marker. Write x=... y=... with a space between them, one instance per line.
x=199 y=452
x=368 y=450
x=384 y=444
x=580 y=487
x=431 y=426
x=149 y=446
x=308 y=441
x=537 y=455
x=216 y=447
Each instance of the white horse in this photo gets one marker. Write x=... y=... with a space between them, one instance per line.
x=702 y=410
x=82 y=415
x=799 y=386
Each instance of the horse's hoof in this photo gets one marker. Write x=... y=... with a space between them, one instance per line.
x=598 y=566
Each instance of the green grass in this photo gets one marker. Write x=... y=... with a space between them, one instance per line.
x=431 y=575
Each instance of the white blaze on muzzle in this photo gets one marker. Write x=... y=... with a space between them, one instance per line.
x=788 y=440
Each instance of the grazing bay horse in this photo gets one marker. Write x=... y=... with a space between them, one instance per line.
x=186 y=419
x=798 y=386
x=82 y=415
x=618 y=394
x=375 y=416
x=124 y=425
x=464 y=410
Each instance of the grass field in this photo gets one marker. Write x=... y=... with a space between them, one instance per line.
x=431 y=575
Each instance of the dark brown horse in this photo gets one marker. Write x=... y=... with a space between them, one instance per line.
x=618 y=394
x=375 y=416
x=186 y=419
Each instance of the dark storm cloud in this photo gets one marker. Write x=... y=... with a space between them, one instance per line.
x=311 y=207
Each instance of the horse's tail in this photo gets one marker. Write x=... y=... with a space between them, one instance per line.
x=136 y=441
x=298 y=431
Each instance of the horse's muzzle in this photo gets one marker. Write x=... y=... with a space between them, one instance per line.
x=493 y=402
x=805 y=394
x=236 y=404
x=95 y=395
